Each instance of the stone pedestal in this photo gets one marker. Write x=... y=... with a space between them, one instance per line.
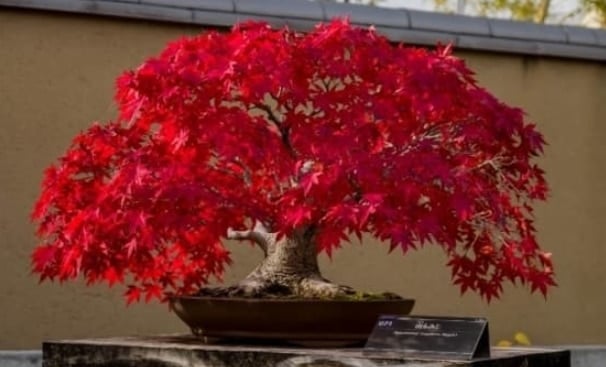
x=186 y=351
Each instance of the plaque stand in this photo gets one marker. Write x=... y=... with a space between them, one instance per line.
x=440 y=338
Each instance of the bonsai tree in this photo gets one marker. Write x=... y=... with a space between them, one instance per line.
x=296 y=142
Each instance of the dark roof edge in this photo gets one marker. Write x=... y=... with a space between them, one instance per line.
x=399 y=25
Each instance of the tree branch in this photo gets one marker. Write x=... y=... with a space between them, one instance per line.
x=284 y=130
x=357 y=190
x=258 y=235
x=270 y=114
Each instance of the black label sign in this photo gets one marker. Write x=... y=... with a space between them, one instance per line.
x=430 y=337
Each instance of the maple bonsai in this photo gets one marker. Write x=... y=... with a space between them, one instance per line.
x=295 y=142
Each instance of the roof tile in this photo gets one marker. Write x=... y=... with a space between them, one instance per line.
x=526 y=31
x=580 y=35
x=212 y=18
x=448 y=22
x=496 y=44
x=601 y=36
x=144 y=11
x=370 y=15
x=219 y=5
x=281 y=8
x=413 y=36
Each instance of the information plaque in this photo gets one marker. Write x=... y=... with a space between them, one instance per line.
x=443 y=338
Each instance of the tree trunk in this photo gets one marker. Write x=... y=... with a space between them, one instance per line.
x=290 y=266
x=542 y=11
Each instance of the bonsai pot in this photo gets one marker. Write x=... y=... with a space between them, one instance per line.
x=307 y=322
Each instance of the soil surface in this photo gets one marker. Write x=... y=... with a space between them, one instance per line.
x=281 y=292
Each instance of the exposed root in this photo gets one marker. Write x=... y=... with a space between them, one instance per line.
x=321 y=288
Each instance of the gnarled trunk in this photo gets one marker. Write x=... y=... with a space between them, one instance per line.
x=290 y=266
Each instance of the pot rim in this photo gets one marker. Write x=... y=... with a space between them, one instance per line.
x=287 y=300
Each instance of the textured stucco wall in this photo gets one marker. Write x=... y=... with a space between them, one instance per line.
x=56 y=76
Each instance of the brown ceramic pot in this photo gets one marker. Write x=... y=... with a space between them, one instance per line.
x=309 y=322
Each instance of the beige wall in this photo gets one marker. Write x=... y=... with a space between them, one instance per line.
x=56 y=76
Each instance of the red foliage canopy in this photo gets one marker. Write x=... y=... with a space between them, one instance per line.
x=337 y=128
